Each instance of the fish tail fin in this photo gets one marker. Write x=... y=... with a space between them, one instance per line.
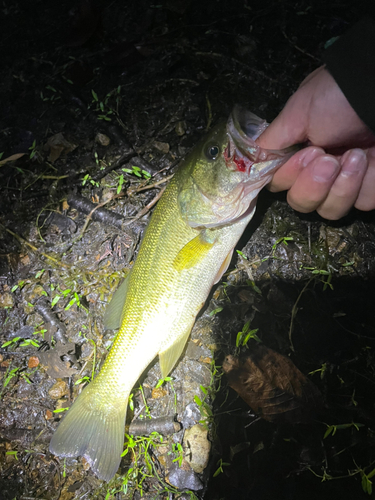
x=95 y=430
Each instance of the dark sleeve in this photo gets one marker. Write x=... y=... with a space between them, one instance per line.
x=351 y=62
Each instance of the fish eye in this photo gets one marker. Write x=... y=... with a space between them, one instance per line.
x=212 y=151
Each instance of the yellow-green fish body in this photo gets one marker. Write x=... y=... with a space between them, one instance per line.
x=186 y=249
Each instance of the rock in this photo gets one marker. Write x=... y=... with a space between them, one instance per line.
x=6 y=300
x=191 y=416
x=102 y=139
x=159 y=392
x=163 y=147
x=33 y=362
x=180 y=128
x=184 y=477
x=197 y=447
x=59 y=389
x=48 y=415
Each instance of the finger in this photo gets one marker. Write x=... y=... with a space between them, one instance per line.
x=313 y=184
x=286 y=176
x=288 y=128
x=366 y=197
x=346 y=187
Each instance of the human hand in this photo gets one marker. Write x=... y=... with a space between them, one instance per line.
x=319 y=113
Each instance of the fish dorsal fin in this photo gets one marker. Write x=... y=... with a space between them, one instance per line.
x=114 y=311
x=224 y=266
x=169 y=357
x=194 y=251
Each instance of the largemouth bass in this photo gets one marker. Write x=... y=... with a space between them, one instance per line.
x=186 y=249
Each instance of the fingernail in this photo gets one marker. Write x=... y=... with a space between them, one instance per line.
x=310 y=155
x=353 y=162
x=325 y=169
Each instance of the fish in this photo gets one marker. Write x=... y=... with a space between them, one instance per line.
x=186 y=249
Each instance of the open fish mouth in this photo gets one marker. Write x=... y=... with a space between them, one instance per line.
x=244 y=154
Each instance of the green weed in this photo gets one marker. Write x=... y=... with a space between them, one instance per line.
x=245 y=335
x=137 y=171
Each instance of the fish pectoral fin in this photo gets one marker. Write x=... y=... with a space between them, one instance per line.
x=194 y=251
x=169 y=356
x=93 y=430
x=114 y=311
x=224 y=266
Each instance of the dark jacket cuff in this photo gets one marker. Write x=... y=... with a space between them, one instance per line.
x=351 y=62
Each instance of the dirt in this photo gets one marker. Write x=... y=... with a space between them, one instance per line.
x=89 y=89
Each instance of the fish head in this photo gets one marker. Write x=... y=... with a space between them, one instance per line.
x=224 y=173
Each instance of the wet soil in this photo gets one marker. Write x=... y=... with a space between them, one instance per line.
x=101 y=101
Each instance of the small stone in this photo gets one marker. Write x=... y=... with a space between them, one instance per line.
x=48 y=415
x=180 y=128
x=206 y=360
x=158 y=393
x=85 y=464
x=33 y=362
x=197 y=448
x=163 y=147
x=6 y=300
x=183 y=477
x=24 y=259
x=59 y=389
x=102 y=139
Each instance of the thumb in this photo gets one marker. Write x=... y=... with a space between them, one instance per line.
x=287 y=129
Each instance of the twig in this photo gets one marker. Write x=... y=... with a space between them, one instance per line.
x=38 y=252
x=88 y=218
x=146 y=208
x=299 y=48
x=150 y=186
x=294 y=312
x=35 y=249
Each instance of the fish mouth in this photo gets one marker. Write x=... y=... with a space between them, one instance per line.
x=244 y=154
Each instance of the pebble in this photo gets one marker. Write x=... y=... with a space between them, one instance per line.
x=197 y=447
x=6 y=300
x=33 y=362
x=102 y=139
x=59 y=389
x=163 y=147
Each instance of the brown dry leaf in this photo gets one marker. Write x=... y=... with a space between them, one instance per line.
x=11 y=158
x=55 y=367
x=57 y=144
x=272 y=385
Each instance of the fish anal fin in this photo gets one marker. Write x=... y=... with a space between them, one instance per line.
x=169 y=356
x=194 y=251
x=224 y=266
x=93 y=430
x=114 y=311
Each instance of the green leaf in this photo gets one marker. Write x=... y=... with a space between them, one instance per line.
x=238 y=339
x=55 y=301
x=241 y=254
x=70 y=303
x=197 y=400
x=215 y=311
x=60 y=410
x=95 y=96
x=328 y=431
